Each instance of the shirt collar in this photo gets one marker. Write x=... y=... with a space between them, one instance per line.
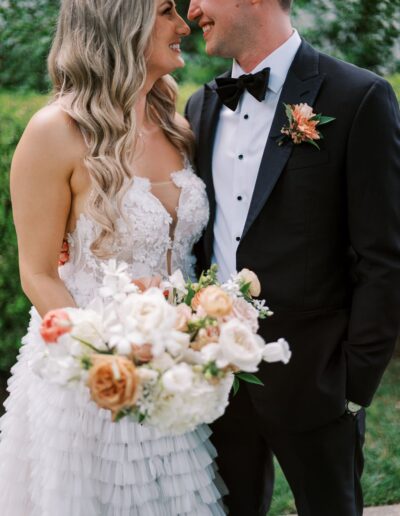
x=279 y=61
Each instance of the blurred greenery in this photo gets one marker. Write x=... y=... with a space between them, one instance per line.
x=364 y=32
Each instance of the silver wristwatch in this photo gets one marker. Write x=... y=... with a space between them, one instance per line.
x=352 y=408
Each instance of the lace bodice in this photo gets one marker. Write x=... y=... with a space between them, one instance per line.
x=147 y=244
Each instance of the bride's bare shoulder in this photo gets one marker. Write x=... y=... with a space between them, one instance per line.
x=53 y=131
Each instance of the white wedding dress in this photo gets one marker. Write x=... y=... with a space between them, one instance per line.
x=62 y=456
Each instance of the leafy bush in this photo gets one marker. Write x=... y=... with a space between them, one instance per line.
x=15 y=111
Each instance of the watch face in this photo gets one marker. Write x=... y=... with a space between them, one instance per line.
x=353 y=407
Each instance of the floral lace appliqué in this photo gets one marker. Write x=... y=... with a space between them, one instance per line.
x=144 y=236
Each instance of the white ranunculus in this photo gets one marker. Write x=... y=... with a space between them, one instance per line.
x=278 y=351
x=240 y=347
x=178 y=379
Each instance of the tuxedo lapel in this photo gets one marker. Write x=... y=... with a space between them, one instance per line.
x=208 y=125
x=302 y=85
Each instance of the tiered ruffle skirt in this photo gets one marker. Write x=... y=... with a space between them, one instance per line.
x=62 y=456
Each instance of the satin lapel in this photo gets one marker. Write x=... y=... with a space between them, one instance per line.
x=208 y=125
x=302 y=85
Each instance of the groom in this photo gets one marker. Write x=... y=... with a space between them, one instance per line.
x=321 y=228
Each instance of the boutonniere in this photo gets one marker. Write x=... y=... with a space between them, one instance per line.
x=303 y=125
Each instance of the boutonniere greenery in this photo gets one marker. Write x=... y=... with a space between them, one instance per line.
x=303 y=125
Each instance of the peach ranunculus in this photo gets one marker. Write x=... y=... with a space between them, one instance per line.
x=113 y=382
x=251 y=277
x=55 y=323
x=196 y=299
x=184 y=314
x=215 y=302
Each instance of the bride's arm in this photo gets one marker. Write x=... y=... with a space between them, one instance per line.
x=41 y=198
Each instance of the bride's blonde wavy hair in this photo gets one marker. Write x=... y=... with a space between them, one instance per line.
x=97 y=65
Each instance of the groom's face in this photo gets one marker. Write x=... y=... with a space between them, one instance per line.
x=225 y=24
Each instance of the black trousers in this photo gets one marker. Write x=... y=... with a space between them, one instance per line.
x=323 y=466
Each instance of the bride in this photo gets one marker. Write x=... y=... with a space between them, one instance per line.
x=102 y=171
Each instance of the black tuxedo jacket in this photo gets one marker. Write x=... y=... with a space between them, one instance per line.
x=323 y=235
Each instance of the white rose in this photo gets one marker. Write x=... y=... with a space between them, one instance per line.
x=152 y=312
x=278 y=351
x=214 y=353
x=178 y=379
x=240 y=347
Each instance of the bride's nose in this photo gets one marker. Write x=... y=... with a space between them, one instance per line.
x=183 y=28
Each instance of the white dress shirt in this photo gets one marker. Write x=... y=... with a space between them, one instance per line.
x=239 y=144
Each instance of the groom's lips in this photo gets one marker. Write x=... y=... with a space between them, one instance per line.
x=206 y=27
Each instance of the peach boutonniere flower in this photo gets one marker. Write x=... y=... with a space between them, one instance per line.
x=303 y=125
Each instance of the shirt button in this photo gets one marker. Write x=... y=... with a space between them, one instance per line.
x=240 y=156
x=239 y=197
x=246 y=117
x=237 y=239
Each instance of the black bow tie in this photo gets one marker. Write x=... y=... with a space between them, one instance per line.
x=230 y=90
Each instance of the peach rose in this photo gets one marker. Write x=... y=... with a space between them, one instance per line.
x=251 y=277
x=55 y=323
x=184 y=314
x=215 y=302
x=113 y=382
x=143 y=353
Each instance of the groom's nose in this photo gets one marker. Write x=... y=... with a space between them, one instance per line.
x=194 y=10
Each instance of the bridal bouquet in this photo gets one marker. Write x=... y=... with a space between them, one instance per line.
x=168 y=356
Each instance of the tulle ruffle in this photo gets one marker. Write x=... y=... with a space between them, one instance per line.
x=61 y=455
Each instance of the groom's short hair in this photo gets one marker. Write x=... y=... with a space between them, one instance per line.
x=286 y=4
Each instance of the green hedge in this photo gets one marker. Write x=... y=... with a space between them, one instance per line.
x=15 y=111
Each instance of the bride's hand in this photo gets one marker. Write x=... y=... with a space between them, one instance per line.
x=147 y=282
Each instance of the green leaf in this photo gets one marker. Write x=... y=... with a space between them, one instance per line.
x=189 y=296
x=325 y=120
x=313 y=143
x=236 y=385
x=288 y=111
x=249 y=378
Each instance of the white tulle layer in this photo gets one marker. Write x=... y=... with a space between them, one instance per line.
x=62 y=456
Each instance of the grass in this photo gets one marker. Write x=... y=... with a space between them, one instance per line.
x=381 y=479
